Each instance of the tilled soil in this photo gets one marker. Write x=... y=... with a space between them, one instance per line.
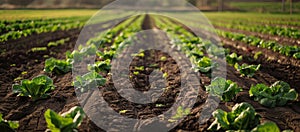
x=18 y=59
x=274 y=67
x=30 y=113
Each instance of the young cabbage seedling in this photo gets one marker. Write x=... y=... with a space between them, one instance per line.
x=66 y=122
x=242 y=117
x=38 y=87
x=38 y=49
x=224 y=89
x=276 y=95
x=204 y=65
x=139 y=68
x=247 y=70
x=180 y=113
x=233 y=58
x=57 y=66
x=89 y=81
x=136 y=73
x=83 y=52
x=100 y=66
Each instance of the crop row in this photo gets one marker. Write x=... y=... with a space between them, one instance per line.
x=235 y=22
x=293 y=51
x=36 y=24
x=284 y=49
x=12 y=35
x=290 y=32
x=265 y=29
x=40 y=86
x=276 y=95
x=21 y=28
x=194 y=47
x=11 y=22
x=264 y=19
x=258 y=22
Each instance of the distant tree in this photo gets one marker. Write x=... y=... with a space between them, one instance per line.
x=204 y=2
x=57 y=2
x=19 y=2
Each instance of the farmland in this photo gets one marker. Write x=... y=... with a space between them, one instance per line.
x=261 y=82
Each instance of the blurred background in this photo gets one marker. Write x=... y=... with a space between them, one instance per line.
x=261 y=6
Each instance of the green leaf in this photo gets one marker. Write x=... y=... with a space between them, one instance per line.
x=242 y=121
x=222 y=88
x=290 y=95
x=266 y=127
x=76 y=113
x=221 y=120
x=56 y=122
x=233 y=58
x=16 y=88
x=36 y=88
x=268 y=102
x=247 y=70
x=278 y=94
x=66 y=122
x=57 y=66
x=13 y=124
x=89 y=81
x=280 y=86
x=100 y=66
x=204 y=64
x=297 y=55
x=8 y=126
x=242 y=117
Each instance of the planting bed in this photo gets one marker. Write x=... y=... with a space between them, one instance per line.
x=19 y=61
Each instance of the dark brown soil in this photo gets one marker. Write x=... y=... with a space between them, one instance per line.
x=274 y=67
x=30 y=113
x=277 y=65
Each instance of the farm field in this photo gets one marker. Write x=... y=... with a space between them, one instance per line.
x=268 y=7
x=261 y=85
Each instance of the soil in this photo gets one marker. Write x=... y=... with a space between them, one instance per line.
x=274 y=67
x=30 y=113
x=18 y=59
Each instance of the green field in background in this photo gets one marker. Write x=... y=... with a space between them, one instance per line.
x=265 y=7
x=30 y=14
